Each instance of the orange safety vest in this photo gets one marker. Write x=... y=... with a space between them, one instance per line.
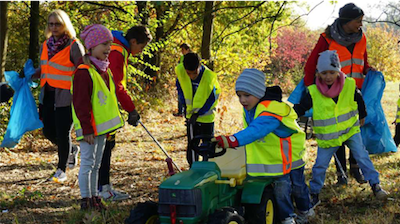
x=124 y=52
x=352 y=63
x=57 y=71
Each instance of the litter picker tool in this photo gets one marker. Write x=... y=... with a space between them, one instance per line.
x=340 y=166
x=168 y=160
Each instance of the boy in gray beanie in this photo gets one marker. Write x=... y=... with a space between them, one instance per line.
x=270 y=135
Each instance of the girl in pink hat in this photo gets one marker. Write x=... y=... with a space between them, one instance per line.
x=95 y=110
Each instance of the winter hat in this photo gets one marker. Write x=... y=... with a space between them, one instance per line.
x=349 y=12
x=95 y=34
x=328 y=61
x=251 y=81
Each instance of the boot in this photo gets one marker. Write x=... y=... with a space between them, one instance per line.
x=379 y=193
x=98 y=204
x=315 y=200
x=341 y=179
x=356 y=173
x=85 y=204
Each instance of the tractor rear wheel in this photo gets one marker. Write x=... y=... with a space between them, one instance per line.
x=225 y=216
x=263 y=213
x=144 y=213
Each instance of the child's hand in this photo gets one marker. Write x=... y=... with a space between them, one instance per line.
x=362 y=121
x=226 y=141
x=89 y=139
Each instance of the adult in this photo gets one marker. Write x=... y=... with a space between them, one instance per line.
x=347 y=38
x=199 y=90
x=59 y=56
x=133 y=43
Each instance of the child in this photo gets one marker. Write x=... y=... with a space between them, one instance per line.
x=185 y=49
x=396 y=137
x=133 y=43
x=337 y=104
x=95 y=110
x=199 y=90
x=270 y=134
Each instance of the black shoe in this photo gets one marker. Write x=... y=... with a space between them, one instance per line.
x=341 y=180
x=356 y=173
x=315 y=200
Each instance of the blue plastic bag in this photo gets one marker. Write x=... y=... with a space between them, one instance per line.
x=375 y=132
x=23 y=115
x=297 y=94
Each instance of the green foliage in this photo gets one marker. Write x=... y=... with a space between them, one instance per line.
x=383 y=51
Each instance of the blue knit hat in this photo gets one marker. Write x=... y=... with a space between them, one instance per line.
x=328 y=61
x=251 y=81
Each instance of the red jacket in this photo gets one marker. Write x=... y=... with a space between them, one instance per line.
x=116 y=65
x=311 y=64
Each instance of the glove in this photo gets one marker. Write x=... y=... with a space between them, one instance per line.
x=133 y=118
x=226 y=141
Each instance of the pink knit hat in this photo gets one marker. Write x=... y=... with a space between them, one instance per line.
x=95 y=34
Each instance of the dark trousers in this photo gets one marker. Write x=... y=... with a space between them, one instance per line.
x=341 y=154
x=198 y=129
x=104 y=172
x=397 y=135
x=57 y=124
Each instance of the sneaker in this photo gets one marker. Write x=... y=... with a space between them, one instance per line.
x=379 y=193
x=59 y=176
x=341 y=180
x=302 y=217
x=315 y=201
x=73 y=156
x=108 y=193
x=356 y=173
x=289 y=220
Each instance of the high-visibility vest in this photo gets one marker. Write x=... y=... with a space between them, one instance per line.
x=124 y=52
x=57 y=71
x=352 y=63
x=398 y=111
x=194 y=103
x=181 y=59
x=334 y=123
x=272 y=155
x=105 y=114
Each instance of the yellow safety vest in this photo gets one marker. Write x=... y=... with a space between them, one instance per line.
x=124 y=52
x=105 y=114
x=194 y=103
x=272 y=155
x=334 y=123
x=398 y=111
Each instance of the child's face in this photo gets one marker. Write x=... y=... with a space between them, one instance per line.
x=193 y=74
x=102 y=50
x=136 y=48
x=247 y=100
x=185 y=51
x=57 y=29
x=329 y=77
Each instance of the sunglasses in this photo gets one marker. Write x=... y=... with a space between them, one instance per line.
x=54 y=24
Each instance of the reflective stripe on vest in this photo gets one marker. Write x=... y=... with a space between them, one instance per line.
x=272 y=155
x=124 y=52
x=57 y=71
x=207 y=85
x=105 y=114
x=398 y=111
x=352 y=63
x=334 y=123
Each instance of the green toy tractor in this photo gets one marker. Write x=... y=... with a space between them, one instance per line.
x=212 y=191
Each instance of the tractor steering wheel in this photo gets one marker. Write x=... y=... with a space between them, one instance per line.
x=203 y=146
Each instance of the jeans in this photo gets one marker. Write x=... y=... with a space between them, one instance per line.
x=91 y=156
x=300 y=191
x=360 y=154
x=282 y=192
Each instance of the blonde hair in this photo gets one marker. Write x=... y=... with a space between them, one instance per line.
x=64 y=19
x=86 y=59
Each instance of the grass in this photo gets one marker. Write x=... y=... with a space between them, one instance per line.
x=138 y=168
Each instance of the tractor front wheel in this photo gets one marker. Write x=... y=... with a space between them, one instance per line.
x=225 y=216
x=144 y=213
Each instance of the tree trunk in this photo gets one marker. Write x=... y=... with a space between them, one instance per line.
x=143 y=12
x=207 y=33
x=34 y=33
x=3 y=37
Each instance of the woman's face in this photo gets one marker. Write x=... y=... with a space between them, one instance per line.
x=329 y=77
x=354 y=26
x=102 y=50
x=57 y=29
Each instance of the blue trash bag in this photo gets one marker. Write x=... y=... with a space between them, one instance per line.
x=375 y=132
x=297 y=94
x=23 y=115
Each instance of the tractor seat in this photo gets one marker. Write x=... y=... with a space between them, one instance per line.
x=232 y=164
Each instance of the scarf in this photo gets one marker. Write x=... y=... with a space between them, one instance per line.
x=334 y=90
x=343 y=38
x=55 y=46
x=102 y=65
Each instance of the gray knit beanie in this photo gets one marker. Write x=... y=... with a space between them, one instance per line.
x=328 y=61
x=251 y=81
